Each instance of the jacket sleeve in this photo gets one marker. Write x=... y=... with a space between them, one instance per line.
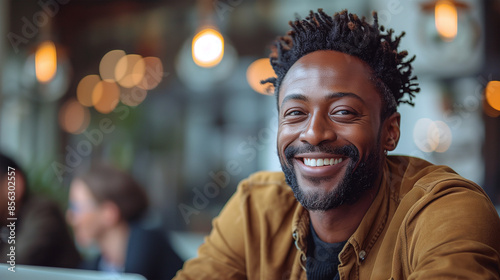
x=222 y=255
x=453 y=233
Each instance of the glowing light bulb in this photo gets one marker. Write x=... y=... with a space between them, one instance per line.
x=446 y=19
x=45 y=62
x=208 y=48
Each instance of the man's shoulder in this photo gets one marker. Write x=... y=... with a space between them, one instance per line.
x=267 y=188
x=270 y=180
x=411 y=172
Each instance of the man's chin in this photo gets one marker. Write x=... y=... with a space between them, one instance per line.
x=318 y=185
x=317 y=197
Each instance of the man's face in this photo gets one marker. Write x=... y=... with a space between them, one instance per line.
x=329 y=129
x=84 y=214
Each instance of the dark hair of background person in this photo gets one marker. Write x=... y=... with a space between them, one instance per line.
x=5 y=163
x=347 y=33
x=42 y=236
x=107 y=183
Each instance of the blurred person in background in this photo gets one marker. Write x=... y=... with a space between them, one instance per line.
x=41 y=235
x=106 y=209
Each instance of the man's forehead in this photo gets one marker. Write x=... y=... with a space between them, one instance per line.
x=324 y=63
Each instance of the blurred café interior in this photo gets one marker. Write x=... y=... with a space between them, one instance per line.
x=169 y=91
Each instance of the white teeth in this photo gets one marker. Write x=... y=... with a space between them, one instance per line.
x=321 y=162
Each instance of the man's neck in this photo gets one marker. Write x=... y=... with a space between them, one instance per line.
x=337 y=225
x=114 y=243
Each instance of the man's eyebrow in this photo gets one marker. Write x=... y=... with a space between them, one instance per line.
x=335 y=95
x=295 y=96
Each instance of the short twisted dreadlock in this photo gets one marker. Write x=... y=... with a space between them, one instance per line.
x=346 y=33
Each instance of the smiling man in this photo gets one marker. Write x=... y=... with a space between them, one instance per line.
x=342 y=208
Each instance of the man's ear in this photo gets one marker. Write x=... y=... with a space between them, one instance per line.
x=391 y=132
x=110 y=213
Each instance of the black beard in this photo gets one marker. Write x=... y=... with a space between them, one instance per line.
x=355 y=183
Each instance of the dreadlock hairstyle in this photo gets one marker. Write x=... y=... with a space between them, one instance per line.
x=346 y=33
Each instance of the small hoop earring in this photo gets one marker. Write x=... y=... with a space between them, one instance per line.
x=385 y=152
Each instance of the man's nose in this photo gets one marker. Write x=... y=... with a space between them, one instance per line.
x=319 y=129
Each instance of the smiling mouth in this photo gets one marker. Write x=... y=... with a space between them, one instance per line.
x=321 y=161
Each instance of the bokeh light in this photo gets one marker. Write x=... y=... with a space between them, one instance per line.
x=73 y=117
x=45 y=62
x=208 y=47
x=493 y=94
x=423 y=135
x=432 y=136
x=85 y=89
x=259 y=70
x=488 y=110
x=444 y=136
x=132 y=96
x=108 y=63
x=105 y=96
x=129 y=70
x=153 y=74
x=446 y=19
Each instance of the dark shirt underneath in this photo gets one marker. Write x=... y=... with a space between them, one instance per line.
x=322 y=258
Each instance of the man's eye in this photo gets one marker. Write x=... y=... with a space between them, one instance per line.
x=343 y=112
x=294 y=113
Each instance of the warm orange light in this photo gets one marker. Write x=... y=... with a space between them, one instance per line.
x=73 y=117
x=208 y=48
x=446 y=18
x=488 y=110
x=129 y=70
x=259 y=70
x=153 y=74
x=493 y=94
x=85 y=89
x=106 y=96
x=45 y=61
x=108 y=63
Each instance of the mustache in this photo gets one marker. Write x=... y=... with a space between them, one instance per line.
x=348 y=151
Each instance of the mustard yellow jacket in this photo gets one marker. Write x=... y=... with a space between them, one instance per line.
x=426 y=222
